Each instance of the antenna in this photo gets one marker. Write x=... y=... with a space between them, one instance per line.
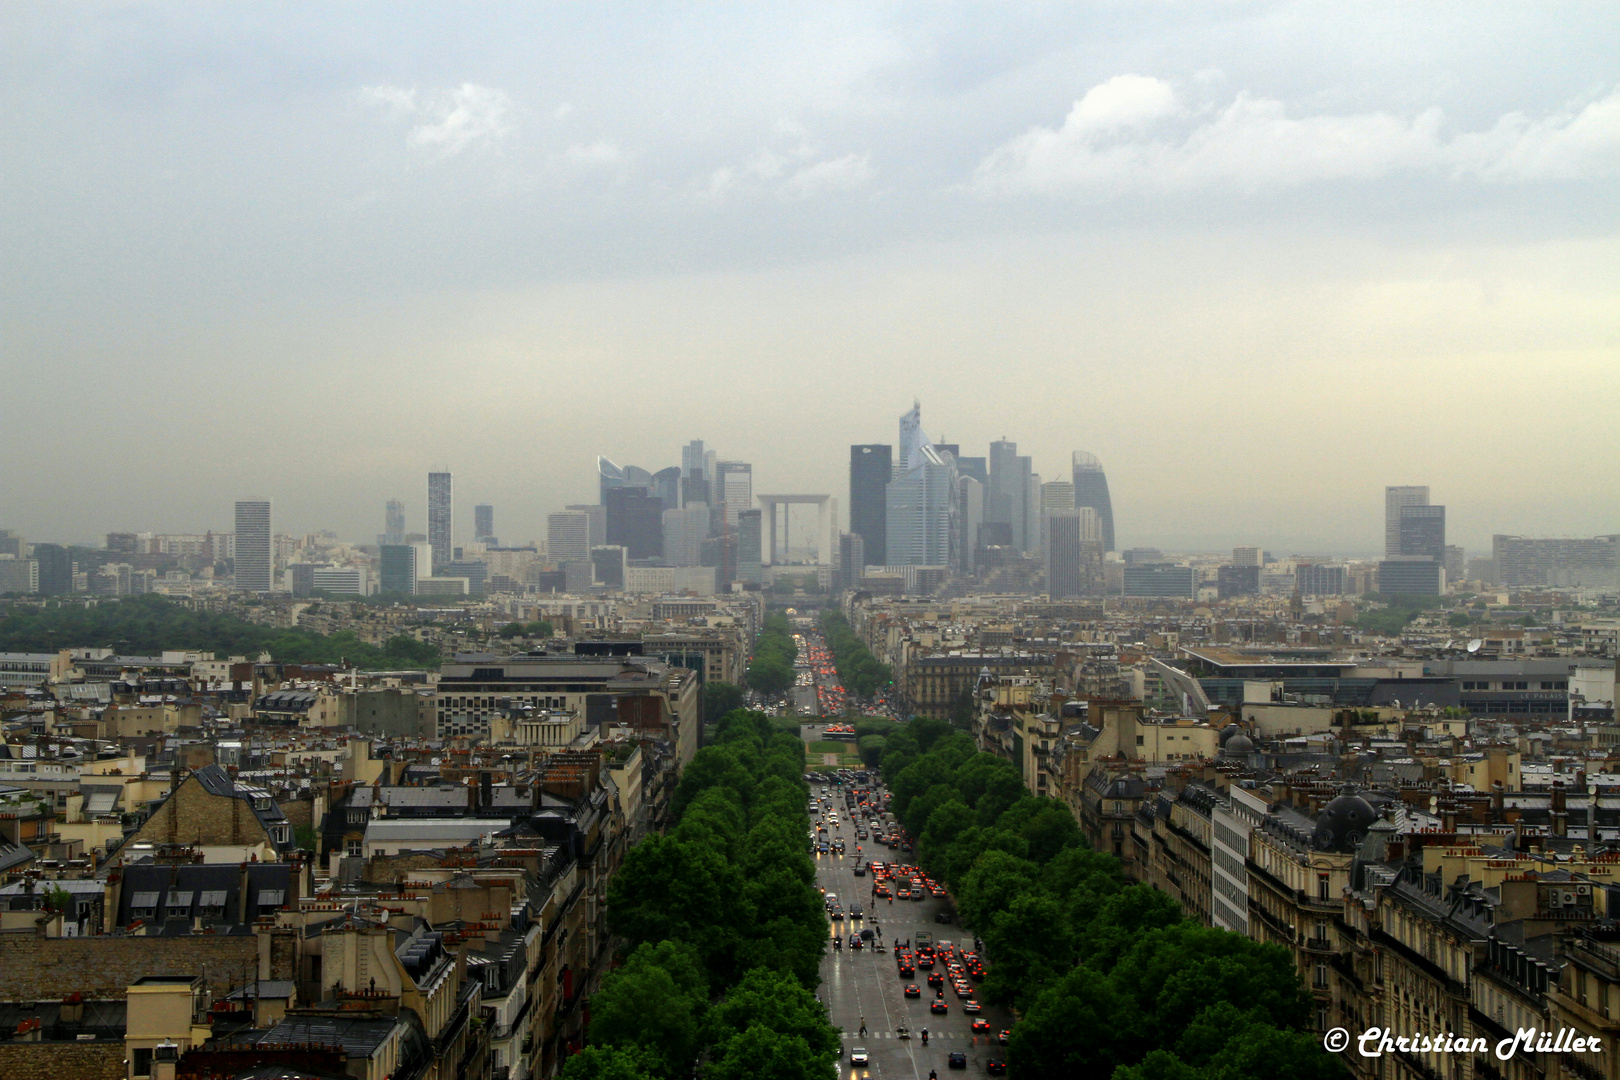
x=1473 y=646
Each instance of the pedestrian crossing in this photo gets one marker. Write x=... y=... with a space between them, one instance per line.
x=933 y=1036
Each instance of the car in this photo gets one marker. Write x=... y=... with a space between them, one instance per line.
x=1006 y=1033
x=902 y=894
x=907 y=971
x=938 y=1005
x=857 y=1055
x=957 y=1060
x=980 y=1024
x=913 y=990
x=996 y=1066
x=837 y=915
x=860 y=871
x=935 y=979
x=855 y=911
x=971 y=1006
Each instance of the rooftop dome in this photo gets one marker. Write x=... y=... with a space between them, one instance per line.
x=1343 y=823
x=1238 y=745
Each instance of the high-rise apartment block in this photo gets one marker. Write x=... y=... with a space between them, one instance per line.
x=55 y=569
x=1245 y=556
x=1423 y=532
x=750 y=561
x=870 y=470
x=1394 y=499
x=484 y=525
x=1317 y=579
x=1526 y=563
x=851 y=561
x=568 y=536
x=254 y=560
x=440 y=518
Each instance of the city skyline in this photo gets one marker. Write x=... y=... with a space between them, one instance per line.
x=1357 y=234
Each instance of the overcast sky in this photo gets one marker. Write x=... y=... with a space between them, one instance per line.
x=1261 y=259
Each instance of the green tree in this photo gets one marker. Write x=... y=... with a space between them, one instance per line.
x=612 y=1063
x=719 y=698
x=770 y=1000
x=644 y=1005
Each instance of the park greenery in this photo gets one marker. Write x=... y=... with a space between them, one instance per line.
x=1397 y=611
x=537 y=629
x=147 y=625
x=721 y=926
x=858 y=669
x=1110 y=979
x=771 y=670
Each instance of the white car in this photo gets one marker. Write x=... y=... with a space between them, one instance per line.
x=857 y=1056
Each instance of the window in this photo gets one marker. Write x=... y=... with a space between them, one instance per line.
x=1140 y=740
x=141 y=1065
x=1322 y=887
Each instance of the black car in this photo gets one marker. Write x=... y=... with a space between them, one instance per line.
x=996 y=1067
x=957 y=1060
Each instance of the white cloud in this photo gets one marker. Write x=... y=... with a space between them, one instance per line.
x=795 y=171
x=447 y=122
x=1135 y=133
x=837 y=174
x=596 y=155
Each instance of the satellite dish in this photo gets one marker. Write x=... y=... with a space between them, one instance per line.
x=1447 y=645
x=1473 y=646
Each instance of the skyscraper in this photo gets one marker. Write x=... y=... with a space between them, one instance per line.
x=694 y=473
x=851 y=561
x=635 y=522
x=1063 y=534
x=1423 y=532
x=750 y=562
x=911 y=437
x=969 y=516
x=1394 y=499
x=920 y=511
x=684 y=532
x=55 y=569
x=568 y=537
x=1091 y=489
x=666 y=485
x=610 y=476
x=440 y=518
x=1009 y=498
x=254 y=548
x=397 y=570
x=393 y=522
x=734 y=484
x=870 y=469
x=484 y=524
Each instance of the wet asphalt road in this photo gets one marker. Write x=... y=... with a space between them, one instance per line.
x=865 y=983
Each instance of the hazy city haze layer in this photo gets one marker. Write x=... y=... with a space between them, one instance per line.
x=1263 y=260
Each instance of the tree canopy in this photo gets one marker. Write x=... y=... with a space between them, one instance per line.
x=722 y=923
x=1110 y=979
x=771 y=670
x=858 y=669
x=149 y=624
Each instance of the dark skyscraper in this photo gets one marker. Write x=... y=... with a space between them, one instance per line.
x=1091 y=489
x=393 y=523
x=55 y=569
x=870 y=468
x=484 y=524
x=635 y=522
x=441 y=527
x=1423 y=532
x=666 y=484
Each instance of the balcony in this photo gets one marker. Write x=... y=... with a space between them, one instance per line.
x=1315 y=944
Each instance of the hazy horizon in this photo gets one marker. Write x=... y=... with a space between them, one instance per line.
x=1261 y=259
